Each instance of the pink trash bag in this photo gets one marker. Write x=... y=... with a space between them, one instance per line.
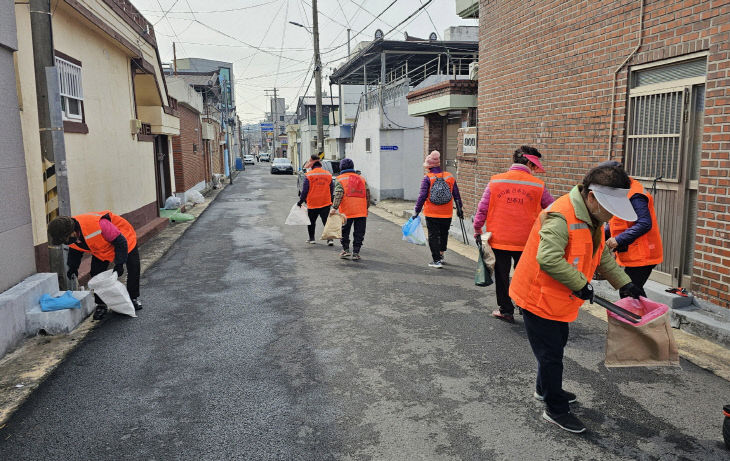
x=649 y=342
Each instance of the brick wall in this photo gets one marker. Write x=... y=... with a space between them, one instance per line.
x=545 y=79
x=187 y=150
x=433 y=133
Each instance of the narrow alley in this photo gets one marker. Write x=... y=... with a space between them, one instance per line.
x=255 y=345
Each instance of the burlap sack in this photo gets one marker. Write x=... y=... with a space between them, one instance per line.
x=333 y=229
x=641 y=346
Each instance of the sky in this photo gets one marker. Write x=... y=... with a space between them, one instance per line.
x=267 y=51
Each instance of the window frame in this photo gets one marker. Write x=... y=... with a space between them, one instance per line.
x=684 y=85
x=70 y=86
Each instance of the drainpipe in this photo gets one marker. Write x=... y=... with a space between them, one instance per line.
x=615 y=74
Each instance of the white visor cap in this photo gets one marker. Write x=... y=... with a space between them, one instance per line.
x=615 y=201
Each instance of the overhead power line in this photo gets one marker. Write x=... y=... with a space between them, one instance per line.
x=409 y=17
x=369 y=24
x=214 y=11
x=263 y=50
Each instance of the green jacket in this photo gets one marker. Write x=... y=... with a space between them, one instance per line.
x=554 y=239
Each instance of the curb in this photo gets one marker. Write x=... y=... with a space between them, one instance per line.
x=702 y=332
x=25 y=368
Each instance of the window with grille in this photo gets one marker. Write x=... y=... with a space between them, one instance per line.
x=367 y=145
x=72 y=95
x=658 y=101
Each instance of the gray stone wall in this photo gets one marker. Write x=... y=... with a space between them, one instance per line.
x=17 y=259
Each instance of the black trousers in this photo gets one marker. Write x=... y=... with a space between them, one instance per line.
x=313 y=213
x=547 y=339
x=504 y=260
x=358 y=233
x=438 y=235
x=639 y=275
x=132 y=267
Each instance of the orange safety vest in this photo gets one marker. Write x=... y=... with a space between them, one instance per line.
x=431 y=210
x=319 y=195
x=514 y=204
x=91 y=231
x=646 y=250
x=533 y=289
x=354 y=203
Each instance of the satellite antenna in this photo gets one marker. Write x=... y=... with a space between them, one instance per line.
x=378 y=34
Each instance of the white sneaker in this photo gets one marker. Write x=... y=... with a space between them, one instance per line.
x=436 y=264
x=330 y=243
x=311 y=242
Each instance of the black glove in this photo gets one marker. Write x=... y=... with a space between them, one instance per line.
x=630 y=289
x=299 y=204
x=119 y=269
x=585 y=293
x=72 y=273
x=478 y=238
x=460 y=213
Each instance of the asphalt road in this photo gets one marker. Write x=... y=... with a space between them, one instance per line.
x=255 y=345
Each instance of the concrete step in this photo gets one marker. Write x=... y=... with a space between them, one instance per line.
x=14 y=303
x=58 y=322
x=704 y=320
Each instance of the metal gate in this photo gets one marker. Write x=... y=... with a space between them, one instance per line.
x=662 y=152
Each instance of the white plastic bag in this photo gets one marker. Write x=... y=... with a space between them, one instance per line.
x=194 y=196
x=298 y=216
x=112 y=292
x=413 y=231
x=487 y=253
x=173 y=203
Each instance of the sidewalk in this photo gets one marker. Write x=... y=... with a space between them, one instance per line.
x=22 y=370
x=702 y=331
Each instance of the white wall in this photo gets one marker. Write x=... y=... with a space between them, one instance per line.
x=368 y=126
x=108 y=169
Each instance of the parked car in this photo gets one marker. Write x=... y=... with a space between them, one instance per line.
x=249 y=159
x=264 y=157
x=282 y=165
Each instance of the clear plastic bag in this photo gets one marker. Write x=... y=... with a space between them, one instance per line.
x=298 y=216
x=413 y=231
x=172 y=203
x=194 y=196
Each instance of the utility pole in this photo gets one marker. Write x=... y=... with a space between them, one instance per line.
x=348 y=43
x=317 y=77
x=174 y=57
x=50 y=125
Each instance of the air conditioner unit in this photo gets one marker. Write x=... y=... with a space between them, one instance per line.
x=474 y=70
x=135 y=125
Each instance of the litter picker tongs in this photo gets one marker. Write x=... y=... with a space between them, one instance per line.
x=620 y=311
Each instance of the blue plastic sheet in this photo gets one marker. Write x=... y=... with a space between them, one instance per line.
x=413 y=231
x=65 y=301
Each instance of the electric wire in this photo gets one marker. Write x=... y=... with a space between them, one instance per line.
x=217 y=11
x=435 y=29
x=283 y=36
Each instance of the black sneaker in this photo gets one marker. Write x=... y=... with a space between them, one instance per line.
x=137 y=305
x=100 y=312
x=572 y=398
x=566 y=421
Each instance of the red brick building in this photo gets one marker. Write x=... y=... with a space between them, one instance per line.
x=644 y=82
x=189 y=161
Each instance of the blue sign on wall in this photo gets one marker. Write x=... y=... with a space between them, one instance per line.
x=267 y=127
x=388 y=147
